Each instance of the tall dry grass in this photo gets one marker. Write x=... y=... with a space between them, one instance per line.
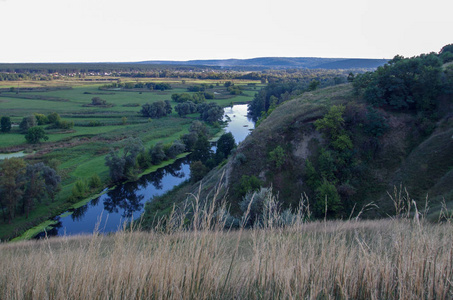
x=382 y=259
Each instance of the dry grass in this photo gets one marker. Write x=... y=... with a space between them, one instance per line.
x=383 y=259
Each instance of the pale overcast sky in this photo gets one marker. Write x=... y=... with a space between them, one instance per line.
x=136 y=30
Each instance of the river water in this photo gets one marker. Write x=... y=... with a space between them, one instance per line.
x=108 y=212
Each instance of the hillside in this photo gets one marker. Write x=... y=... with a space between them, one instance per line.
x=282 y=63
x=346 y=147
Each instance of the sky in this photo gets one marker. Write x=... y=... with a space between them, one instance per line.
x=137 y=30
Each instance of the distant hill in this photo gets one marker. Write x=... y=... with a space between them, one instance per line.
x=281 y=63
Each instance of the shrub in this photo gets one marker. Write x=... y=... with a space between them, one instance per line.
x=277 y=157
x=94 y=182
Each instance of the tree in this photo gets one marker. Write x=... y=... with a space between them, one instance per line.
x=185 y=108
x=210 y=112
x=175 y=149
x=116 y=165
x=331 y=125
x=328 y=198
x=41 y=118
x=197 y=171
x=12 y=181
x=180 y=98
x=156 y=109
x=277 y=157
x=52 y=181
x=5 y=124
x=34 y=187
x=189 y=140
x=53 y=118
x=313 y=85
x=35 y=135
x=27 y=123
x=225 y=144
x=157 y=154
x=123 y=166
x=133 y=148
x=199 y=128
x=98 y=101
x=202 y=149
x=168 y=108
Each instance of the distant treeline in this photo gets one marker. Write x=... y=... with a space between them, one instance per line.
x=48 y=71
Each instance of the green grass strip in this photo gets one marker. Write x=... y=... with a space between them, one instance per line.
x=30 y=233
x=48 y=225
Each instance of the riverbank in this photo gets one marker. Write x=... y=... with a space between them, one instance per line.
x=49 y=224
x=129 y=197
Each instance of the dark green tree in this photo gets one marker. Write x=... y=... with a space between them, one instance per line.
x=185 y=108
x=155 y=110
x=98 y=101
x=52 y=181
x=189 y=140
x=157 y=154
x=313 y=85
x=210 y=112
x=53 y=118
x=5 y=124
x=199 y=128
x=27 y=123
x=12 y=181
x=176 y=148
x=225 y=144
x=202 y=150
x=35 y=135
x=197 y=171
x=167 y=107
x=116 y=164
x=34 y=187
x=328 y=198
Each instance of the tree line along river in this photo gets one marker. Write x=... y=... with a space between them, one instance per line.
x=108 y=212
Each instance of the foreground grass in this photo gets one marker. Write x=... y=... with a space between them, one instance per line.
x=385 y=259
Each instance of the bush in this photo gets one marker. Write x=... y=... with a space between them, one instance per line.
x=277 y=157
x=79 y=190
x=249 y=184
x=98 y=101
x=64 y=124
x=94 y=182
x=327 y=197
x=240 y=159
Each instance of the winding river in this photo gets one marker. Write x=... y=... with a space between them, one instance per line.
x=108 y=212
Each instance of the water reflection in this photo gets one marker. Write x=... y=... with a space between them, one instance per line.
x=124 y=200
x=109 y=211
x=78 y=213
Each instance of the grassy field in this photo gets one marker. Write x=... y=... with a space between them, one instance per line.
x=380 y=259
x=81 y=151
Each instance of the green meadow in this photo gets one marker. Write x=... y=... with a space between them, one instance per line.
x=80 y=152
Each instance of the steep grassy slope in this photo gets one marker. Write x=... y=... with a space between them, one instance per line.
x=412 y=153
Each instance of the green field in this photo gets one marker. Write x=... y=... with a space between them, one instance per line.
x=80 y=152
